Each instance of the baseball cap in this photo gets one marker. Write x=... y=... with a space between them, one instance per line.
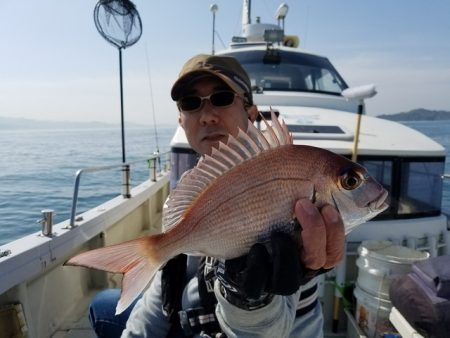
x=226 y=68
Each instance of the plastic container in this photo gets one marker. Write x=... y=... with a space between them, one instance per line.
x=372 y=314
x=380 y=261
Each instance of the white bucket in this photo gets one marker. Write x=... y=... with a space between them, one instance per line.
x=380 y=261
x=372 y=314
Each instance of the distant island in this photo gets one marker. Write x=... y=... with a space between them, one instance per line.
x=418 y=115
x=13 y=123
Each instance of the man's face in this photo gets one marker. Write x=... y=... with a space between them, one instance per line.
x=208 y=125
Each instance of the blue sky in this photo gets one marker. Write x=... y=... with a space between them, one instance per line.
x=54 y=64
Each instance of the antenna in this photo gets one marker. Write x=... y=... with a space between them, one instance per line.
x=281 y=13
x=246 y=13
x=213 y=8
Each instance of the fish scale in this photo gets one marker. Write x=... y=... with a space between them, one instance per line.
x=228 y=200
x=235 y=197
x=227 y=233
x=226 y=228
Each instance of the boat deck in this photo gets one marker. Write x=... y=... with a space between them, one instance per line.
x=78 y=326
x=80 y=329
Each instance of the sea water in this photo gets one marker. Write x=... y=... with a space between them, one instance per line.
x=37 y=169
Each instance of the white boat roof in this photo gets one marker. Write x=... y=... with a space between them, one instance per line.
x=334 y=130
x=262 y=46
x=378 y=137
x=329 y=121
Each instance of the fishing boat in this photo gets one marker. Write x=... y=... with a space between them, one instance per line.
x=321 y=110
x=39 y=297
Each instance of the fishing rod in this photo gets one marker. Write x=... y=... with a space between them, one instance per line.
x=152 y=105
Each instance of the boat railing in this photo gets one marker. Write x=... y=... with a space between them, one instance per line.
x=158 y=163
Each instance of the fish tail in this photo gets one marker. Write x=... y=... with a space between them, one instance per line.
x=138 y=260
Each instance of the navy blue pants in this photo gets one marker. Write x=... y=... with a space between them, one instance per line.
x=102 y=314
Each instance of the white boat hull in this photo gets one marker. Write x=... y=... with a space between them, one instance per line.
x=55 y=297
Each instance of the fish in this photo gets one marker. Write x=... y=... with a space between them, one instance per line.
x=235 y=197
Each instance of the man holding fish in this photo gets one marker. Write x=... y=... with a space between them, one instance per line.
x=260 y=283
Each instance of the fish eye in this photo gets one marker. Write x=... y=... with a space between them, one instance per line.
x=351 y=180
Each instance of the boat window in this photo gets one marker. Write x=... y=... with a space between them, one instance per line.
x=414 y=184
x=421 y=187
x=380 y=170
x=314 y=129
x=293 y=72
x=182 y=159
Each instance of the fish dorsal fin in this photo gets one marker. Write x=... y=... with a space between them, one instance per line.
x=238 y=149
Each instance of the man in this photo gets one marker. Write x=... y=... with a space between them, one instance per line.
x=260 y=294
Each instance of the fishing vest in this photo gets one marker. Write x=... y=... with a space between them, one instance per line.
x=202 y=320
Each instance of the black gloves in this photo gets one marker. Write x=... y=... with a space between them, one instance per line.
x=250 y=281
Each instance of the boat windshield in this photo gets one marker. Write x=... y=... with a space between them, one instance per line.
x=290 y=71
x=414 y=184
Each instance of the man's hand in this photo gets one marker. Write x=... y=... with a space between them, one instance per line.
x=250 y=281
x=322 y=235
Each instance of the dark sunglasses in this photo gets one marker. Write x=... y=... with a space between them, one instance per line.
x=218 y=99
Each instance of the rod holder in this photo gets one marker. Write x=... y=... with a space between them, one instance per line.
x=152 y=167
x=126 y=181
x=47 y=221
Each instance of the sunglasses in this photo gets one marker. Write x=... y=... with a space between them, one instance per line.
x=222 y=99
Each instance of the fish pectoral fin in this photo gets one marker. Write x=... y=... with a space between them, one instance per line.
x=131 y=258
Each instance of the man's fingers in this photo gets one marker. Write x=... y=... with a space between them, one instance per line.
x=323 y=235
x=313 y=254
x=335 y=234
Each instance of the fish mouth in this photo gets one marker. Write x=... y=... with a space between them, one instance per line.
x=378 y=205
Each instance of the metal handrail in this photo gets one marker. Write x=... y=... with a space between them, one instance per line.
x=125 y=179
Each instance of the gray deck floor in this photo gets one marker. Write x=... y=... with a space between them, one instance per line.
x=78 y=325
x=81 y=329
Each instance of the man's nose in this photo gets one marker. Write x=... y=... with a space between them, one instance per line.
x=209 y=114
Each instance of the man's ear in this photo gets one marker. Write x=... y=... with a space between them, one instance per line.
x=252 y=112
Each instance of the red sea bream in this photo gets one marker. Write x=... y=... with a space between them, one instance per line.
x=235 y=197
